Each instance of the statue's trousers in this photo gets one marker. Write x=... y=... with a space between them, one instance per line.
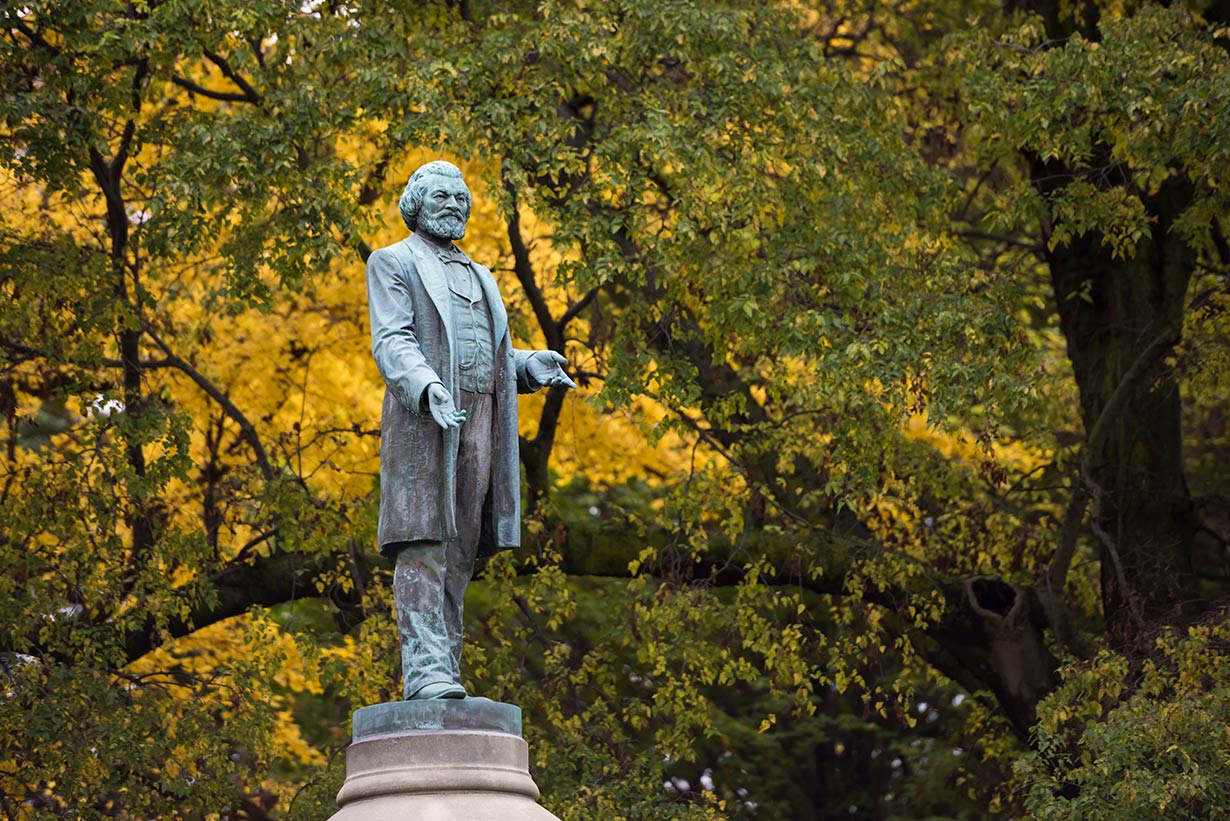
x=430 y=578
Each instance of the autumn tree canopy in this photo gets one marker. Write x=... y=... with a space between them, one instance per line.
x=896 y=486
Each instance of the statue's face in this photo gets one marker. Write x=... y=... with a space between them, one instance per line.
x=445 y=209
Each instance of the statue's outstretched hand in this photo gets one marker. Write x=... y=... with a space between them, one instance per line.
x=546 y=368
x=442 y=408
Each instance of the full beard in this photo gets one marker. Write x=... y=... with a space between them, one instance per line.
x=445 y=226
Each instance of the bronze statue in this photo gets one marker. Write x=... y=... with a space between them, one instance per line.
x=449 y=479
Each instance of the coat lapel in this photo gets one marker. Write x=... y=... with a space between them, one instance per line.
x=431 y=273
x=499 y=316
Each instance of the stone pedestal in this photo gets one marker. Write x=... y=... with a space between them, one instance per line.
x=439 y=760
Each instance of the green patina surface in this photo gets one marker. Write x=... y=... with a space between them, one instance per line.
x=476 y=714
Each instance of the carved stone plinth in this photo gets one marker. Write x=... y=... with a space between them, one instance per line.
x=442 y=760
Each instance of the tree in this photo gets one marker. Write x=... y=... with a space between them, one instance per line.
x=168 y=169
x=835 y=279
x=1130 y=220
x=1092 y=157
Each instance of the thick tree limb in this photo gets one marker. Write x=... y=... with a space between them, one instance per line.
x=265 y=581
x=278 y=579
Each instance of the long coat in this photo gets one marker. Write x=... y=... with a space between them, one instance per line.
x=413 y=337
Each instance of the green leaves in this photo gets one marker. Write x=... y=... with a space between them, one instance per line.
x=1141 y=104
x=1152 y=746
x=808 y=249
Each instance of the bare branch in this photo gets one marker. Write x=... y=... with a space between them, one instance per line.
x=524 y=270
x=575 y=309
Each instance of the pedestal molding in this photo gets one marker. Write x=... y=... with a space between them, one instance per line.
x=450 y=765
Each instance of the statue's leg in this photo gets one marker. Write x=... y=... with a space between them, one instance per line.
x=474 y=457
x=419 y=599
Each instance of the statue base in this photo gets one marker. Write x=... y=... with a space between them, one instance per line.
x=439 y=760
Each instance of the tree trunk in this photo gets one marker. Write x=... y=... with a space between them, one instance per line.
x=1121 y=318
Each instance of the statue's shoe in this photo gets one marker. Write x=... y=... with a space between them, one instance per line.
x=439 y=689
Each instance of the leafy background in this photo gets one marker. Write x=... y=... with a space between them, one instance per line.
x=895 y=485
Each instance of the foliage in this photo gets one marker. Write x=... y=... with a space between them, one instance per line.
x=125 y=768
x=1144 y=102
x=158 y=429
x=617 y=705
x=1151 y=746
x=849 y=291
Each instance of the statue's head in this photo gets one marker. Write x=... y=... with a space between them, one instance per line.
x=436 y=201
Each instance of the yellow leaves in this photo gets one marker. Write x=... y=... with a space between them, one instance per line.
x=926 y=244
x=645 y=555
x=639 y=715
x=289 y=741
x=609 y=446
x=879 y=707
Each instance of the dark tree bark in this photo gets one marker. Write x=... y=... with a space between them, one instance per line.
x=1121 y=317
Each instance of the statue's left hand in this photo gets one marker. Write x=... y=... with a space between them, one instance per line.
x=546 y=368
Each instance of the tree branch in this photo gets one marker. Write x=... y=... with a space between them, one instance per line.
x=130 y=126
x=265 y=582
x=221 y=96
x=246 y=428
x=1036 y=247
x=524 y=269
x=574 y=310
x=32 y=35
x=251 y=94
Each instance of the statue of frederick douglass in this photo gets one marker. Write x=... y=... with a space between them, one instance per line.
x=449 y=479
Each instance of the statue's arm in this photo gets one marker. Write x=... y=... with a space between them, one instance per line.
x=395 y=342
